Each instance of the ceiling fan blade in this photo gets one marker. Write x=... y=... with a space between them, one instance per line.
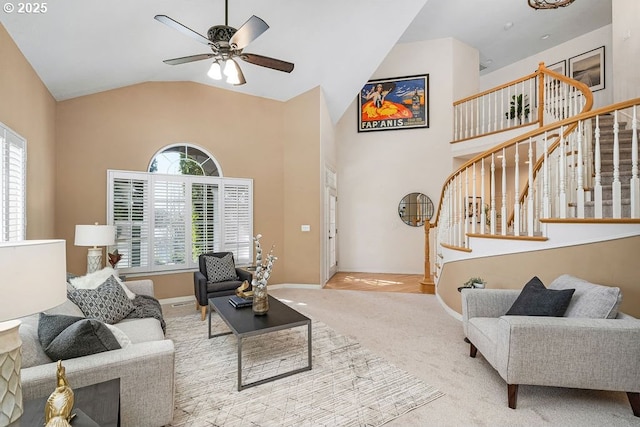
x=184 y=30
x=186 y=59
x=265 y=61
x=249 y=31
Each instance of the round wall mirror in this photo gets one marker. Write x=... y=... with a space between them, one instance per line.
x=414 y=209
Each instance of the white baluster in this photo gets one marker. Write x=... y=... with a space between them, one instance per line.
x=530 y=217
x=516 y=199
x=616 y=186
x=473 y=187
x=503 y=209
x=462 y=223
x=455 y=122
x=466 y=121
x=634 y=183
x=580 y=183
x=597 y=189
x=563 y=172
x=492 y=194
x=483 y=214
x=466 y=201
x=545 y=180
x=495 y=113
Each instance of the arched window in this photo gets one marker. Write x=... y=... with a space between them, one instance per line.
x=180 y=208
x=184 y=159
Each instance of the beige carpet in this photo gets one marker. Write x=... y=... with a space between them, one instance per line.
x=414 y=333
x=348 y=385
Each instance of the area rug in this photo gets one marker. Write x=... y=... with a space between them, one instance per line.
x=347 y=386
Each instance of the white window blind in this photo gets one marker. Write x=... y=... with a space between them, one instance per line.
x=13 y=180
x=164 y=222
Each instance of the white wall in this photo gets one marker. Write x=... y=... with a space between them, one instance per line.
x=626 y=46
x=564 y=51
x=376 y=169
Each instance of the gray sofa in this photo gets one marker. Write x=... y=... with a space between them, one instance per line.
x=145 y=367
x=575 y=352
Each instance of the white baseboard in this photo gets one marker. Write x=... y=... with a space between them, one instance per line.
x=192 y=299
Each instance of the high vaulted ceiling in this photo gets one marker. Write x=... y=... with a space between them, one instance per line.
x=79 y=47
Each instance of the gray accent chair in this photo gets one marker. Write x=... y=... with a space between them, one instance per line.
x=587 y=353
x=203 y=289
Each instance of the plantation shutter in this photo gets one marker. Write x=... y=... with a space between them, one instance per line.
x=129 y=211
x=204 y=218
x=238 y=220
x=169 y=228
x=13 y=179
x=164 y=222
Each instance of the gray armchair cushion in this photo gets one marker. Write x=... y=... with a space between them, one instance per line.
x=536 y=300
x=67 y=337
x=589 y=300
x=220 y=269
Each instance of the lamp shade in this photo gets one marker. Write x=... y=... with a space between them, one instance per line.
x=33 y=276
x=95 y=235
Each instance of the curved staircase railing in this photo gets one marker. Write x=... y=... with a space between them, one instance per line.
x=579 y=165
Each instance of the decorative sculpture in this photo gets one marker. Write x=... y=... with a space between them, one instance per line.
x=260 y=278
x=57 y=410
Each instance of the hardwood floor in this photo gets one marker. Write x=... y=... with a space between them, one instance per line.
x=377 y=282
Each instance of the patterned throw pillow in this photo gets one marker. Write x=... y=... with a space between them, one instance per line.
x=220 y=269
x=107 y=303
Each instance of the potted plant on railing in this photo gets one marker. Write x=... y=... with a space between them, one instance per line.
x=519 y=108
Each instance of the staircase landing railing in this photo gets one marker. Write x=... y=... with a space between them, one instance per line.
x=581 y=166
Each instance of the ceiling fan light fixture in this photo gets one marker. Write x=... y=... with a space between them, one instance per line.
x=215 y=72
x=549 y=4
x=231 y=68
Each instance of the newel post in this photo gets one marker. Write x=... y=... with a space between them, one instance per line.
x=428 y=287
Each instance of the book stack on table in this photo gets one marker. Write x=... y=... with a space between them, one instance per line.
x=239 y=302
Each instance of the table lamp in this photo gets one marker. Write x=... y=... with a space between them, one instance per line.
x=32 y=279
x=95 y=235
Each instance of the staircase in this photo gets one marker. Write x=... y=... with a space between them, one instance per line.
x=605 y=132
x=569 y=182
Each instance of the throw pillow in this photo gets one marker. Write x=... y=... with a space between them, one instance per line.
x=220 y=269
x=590 y=300
x=119 y=334
x=67 y=337
x=97 y=278
x=536 y=300
x=107 y=303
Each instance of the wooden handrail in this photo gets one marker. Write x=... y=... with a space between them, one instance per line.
x=586 y=113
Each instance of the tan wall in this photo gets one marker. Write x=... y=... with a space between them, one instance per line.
x=612 y=263
x=302 y=188
x=124 y=128
x=27 y=107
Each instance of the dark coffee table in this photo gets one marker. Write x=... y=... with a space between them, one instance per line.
x=243 y=323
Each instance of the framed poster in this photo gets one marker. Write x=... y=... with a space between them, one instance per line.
x=391 y=104
x=559 y=67
x=588 y=68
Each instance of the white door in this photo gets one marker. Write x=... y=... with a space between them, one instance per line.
x=332 y=243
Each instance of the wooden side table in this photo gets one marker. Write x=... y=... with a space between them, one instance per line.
x=95 y=405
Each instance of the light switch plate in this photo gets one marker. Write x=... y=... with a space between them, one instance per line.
x=305 y=227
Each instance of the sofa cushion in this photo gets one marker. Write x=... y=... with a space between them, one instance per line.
x=67 y=337
x=589 y=300
x=220 y=269
x=142 y=330
x=536 y=300
x=119 y=335
x=97 y=278
x=68 y=308
x=107 y=303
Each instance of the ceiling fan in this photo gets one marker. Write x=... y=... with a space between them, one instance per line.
x=227 y=43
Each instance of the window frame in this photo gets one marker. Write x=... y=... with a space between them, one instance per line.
x=13 y=212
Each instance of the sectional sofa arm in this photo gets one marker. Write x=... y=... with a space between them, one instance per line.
x=140 y=287
x=146 y=372
x=599 y=354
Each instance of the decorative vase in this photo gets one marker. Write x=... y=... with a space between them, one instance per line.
x=260 y=304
